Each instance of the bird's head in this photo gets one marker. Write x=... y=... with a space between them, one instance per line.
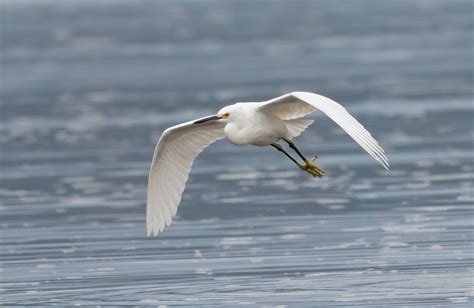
x=224 y=115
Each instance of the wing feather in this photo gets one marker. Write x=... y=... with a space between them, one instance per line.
x=288 y=107
x=299 y=104
x=297 y=126
x=174 y=155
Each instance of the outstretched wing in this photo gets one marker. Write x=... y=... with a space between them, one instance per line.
x=174 y=155
x=298 y=104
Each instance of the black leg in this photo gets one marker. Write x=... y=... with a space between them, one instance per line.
x=280 y=148
x=307 y=166
x=293 y=146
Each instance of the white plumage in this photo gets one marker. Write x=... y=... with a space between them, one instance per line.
x=260 y=124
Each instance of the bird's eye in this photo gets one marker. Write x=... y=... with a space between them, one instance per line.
x=226 y=115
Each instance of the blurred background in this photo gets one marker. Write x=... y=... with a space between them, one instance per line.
x=87 y=87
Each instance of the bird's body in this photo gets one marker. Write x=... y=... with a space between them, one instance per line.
x=254 y=128
x=255 y=123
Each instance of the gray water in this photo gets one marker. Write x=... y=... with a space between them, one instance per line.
x=87 y=87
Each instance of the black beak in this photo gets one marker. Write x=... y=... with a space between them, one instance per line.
x=205 y=119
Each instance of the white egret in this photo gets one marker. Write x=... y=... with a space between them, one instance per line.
x=256 y=123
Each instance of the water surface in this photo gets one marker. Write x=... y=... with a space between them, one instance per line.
x=87 y=87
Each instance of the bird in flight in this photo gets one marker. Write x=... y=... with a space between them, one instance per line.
x=255 y=123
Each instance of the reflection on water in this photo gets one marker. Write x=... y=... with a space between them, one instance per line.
x=86 y=95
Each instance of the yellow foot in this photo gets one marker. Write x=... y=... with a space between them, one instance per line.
x=310 y=167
